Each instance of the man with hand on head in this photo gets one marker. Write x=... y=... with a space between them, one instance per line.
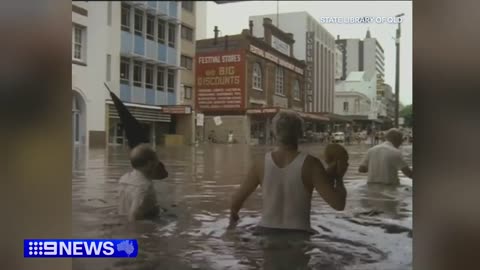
x=137 y=199
x=383 y=161
x=288 y=178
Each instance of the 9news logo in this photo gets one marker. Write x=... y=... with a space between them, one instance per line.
x=73 y=248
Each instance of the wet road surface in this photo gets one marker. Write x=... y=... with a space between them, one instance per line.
x=374 y=231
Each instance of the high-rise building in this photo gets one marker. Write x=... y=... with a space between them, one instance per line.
x=315 y=45
x=137 y=49
x=362 y=55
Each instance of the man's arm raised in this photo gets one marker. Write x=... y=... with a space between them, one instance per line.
x=328 y=185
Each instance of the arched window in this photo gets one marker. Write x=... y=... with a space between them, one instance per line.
x=257 y=76
x=279 y=82
x=296 y=90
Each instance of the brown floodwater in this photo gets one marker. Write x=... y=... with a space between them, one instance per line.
x=374 y=231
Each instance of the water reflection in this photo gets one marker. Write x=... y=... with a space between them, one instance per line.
x=191 y=233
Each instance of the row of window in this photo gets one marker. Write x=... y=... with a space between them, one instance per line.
x=257 y=80
x=152 y=24
x=153 y=75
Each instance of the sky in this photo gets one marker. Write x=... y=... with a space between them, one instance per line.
x=231 y=18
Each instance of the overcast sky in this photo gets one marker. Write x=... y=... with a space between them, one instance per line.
x=233 y=17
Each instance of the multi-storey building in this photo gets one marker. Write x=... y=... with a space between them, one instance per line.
x=242 y=81
x=95 y=54
x=362 y=55
x=136 y=48
x=315 y=45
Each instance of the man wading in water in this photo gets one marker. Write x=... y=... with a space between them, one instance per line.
x=288 y=177
x=383 y=161
x=137 y=199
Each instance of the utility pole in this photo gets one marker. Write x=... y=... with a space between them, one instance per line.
x=397 y=71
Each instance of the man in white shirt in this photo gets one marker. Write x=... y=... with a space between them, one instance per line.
x=137 y=199
x=383 y=161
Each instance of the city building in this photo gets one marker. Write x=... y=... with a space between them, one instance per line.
x=243 y=80
x=136 y=48
x=387 y=97
x=95 y=54
x=366 y=56
x=186 y=122
x=315 y=45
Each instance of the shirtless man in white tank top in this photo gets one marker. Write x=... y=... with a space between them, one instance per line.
x=288 y=178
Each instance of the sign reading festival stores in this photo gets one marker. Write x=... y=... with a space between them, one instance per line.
x=220 y=81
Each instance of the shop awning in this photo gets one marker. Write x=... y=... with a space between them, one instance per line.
x=273 y=110
x=363 y=118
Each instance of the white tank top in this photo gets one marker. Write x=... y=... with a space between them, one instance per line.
x=286 y=203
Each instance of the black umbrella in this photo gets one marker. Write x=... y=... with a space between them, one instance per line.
x=135 y=132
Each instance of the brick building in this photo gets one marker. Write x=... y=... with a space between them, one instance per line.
x=242 y=81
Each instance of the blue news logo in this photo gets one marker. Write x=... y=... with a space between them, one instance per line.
x=41 y=248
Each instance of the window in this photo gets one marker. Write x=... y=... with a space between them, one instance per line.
x=296 y=90
x=125 y=70
x=149 y=76
x=161 y=31
x=171 y=81
x=160 y=79
x=257 y=76
x=186 y=62
x=188 y=92
x=109 y=13
x=171 y=35
x=139 y=22
x=187 y=33
x=109 y=69
x=345 y=106
x=78 y=40
x=137 y=74
x=125 y=17
x=279 y=81
x=150 y=27
x=187 y=5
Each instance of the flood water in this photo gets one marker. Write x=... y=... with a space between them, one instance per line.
x=374 y=231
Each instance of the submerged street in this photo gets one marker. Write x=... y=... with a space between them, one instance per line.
x=374 y=231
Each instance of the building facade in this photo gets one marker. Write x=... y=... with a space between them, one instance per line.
x=352 y=103
x=387 y=97
x=315 y=45
x=135 y=48
x=242 y=81
x=95 y=53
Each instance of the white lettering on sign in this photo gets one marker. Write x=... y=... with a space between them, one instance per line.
x=280 y=46
x=232 y=58
x=275 y=59
x=309 y=67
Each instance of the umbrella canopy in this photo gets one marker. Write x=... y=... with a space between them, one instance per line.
x=135 y=132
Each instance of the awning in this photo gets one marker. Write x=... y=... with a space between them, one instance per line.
x=273 y=110
x=141 y=113
x=338 y=118
x=363 y=118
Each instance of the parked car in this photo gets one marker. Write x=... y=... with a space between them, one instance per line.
x=338 y=137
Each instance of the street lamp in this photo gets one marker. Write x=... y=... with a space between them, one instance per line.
x=397 y=71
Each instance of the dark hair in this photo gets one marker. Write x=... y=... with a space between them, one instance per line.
x=287 y=127
x=141 y=155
